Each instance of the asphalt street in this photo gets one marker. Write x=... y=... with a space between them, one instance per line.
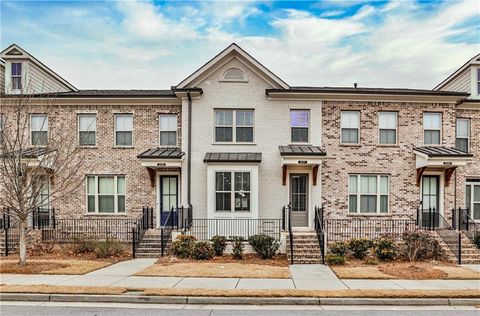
x=30 y=309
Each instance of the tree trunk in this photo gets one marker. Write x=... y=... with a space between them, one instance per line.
x=22 y=258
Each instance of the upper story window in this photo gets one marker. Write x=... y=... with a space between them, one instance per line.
x=350 y=126
x=232 y=196
x=432 y=127
x=472 y=198
x=299 y=122
x=123 y=130
x=39 y=129
x=87 y=129
x=462 y=141
x=368 y=193
x=106 y=194
x=233 y=125
x=168 y=129
x=387 y=125
x=233 y=74
x=16 y=76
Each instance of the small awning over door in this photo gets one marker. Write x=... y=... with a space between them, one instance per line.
x=438 y=157
x=161 y=158
x=301 y=155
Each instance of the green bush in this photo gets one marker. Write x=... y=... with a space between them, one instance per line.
x=108 y=248
x=339 y=248
x=335 y=259
x=84 y=246
x=359 y=247
x=419 y=245
x=237 y=249
x=266 y=246
x=385 y=248
x=476 y=239
x=182 y=246
x=219 y=244
x=202 y=250
x=371 y=261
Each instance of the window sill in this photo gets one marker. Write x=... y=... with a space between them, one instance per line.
x=350 y=145
x=123 y=147
x=106 y=214
x=299 y=144
x=389 y=145
x=87 y=147
x=233 y=144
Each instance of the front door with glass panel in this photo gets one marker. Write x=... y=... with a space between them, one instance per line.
x=299 y=199
x=472 y=198
x=168 y=199
x=430 y=199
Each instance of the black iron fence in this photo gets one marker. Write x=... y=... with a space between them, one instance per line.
x=370 y=228
x=462 y=221
x=9 y=233
x=205 y=229
x=287 y=225
x=428 y=218
x=43 y=218
x=140 y=226
x=319 y=211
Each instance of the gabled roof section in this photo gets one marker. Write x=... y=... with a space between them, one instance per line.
x=16 y=52
x=473 y=61
x=220 y=59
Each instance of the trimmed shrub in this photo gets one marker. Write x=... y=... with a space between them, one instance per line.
x=182 y=246
x=219 y=244
x=237 y=249
x=84 y=246
x=335 y=259
x=385 y=248
x=108 y=248
x=359 y=247
x=419 y=245
x=476 y=239
x=266 y=246
x=339 y=248
x=202 y=250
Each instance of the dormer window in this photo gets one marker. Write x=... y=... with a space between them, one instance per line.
x=16 y=76
x=233 y=74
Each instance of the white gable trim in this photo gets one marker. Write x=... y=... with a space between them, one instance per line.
x=218 y=61
x=5 y=54
x=474 y=61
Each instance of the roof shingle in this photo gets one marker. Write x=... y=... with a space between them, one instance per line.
x=301 y=150
x=233 y=157
x=437 y=151
x=162 y=153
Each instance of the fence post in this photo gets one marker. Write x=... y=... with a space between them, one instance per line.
x=459 y=248
x=161 y=241
x=6 y=241
x=133 y=242
x=54 y=219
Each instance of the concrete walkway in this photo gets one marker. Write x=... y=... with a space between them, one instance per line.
x=305 y=277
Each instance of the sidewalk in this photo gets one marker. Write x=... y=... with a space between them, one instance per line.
x=304 y=277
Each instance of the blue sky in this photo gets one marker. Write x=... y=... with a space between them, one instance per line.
x=155 y=44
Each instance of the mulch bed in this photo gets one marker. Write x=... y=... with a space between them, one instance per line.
x=278 y=260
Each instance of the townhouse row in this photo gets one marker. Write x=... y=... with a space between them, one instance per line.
x=237 y=142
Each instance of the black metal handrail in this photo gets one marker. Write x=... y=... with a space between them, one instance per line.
x=43 y=218
x=167 y=228
x=462 y=221
x=319 y=224
x=290 y=232
x=142 y=224
x=9 y=230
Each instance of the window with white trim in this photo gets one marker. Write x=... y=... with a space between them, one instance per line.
x=232 y=196
x=350 y=126
x=233 y=125
x=168 y=129
x=472 y=198
x=123 y=130
x=299 y=123
x=233 y=74
x=368 y=193
x=17 y=76
x=432 y=128
x=387 y=125
x=87 y=129
x=105 y=194
x=462 y=141
x=39 y=129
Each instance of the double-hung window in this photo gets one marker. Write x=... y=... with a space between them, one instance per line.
x=232 y=196
x=350 y=126
x=106 y=194
x=387 y=125
x=368 y=193
x=472 y=198
x=300 y=122
x=462 y=141
x=432 y=127
x=39 y=129
x=168 y=129
x=233 y=125
x=123 y=130
x=16 y=76
x=87 y=129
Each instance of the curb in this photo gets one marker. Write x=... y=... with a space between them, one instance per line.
x=199 y=300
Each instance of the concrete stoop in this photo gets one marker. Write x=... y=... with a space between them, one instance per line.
x=306 y=248
x=470 y=253
x=151 y=246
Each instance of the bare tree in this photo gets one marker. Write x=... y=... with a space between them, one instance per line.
x=39 y=159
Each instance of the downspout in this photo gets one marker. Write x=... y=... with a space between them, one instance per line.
x=189 y=154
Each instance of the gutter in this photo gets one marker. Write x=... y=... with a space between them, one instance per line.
x=189 y=153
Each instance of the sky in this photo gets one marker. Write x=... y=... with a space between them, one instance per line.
x=156 y=44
